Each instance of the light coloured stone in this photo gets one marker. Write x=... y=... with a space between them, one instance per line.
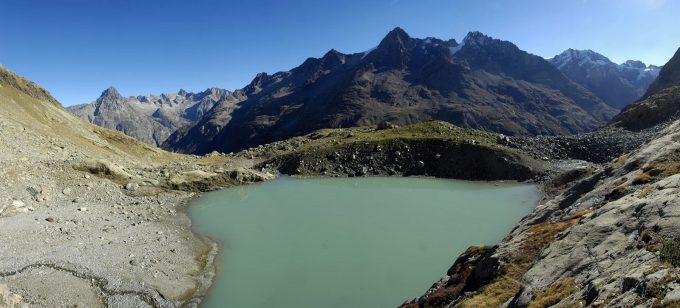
x=18 y=204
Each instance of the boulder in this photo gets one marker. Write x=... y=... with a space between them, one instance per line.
x=102 y=168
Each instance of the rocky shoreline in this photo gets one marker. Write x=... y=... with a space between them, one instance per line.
x=92 y=203
x=119 y=244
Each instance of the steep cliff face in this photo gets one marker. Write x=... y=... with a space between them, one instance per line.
x=481 y=83
x=661 y=103
x=151 y=119
x=668 y=77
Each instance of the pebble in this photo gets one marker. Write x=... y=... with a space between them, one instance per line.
x=82 y=209
x=18 y=204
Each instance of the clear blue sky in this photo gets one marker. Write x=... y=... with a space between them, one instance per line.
x=77 y=48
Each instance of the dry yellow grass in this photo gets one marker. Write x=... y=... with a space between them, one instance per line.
x=554 y=293
x=508 y=283
x=645 y=191
x=27 y=105
x=659 y=169
x=619 y=162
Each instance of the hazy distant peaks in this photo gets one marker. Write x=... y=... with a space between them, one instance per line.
x=634 y=64
x=589 y=58
x=668 y=77
x=616 y=84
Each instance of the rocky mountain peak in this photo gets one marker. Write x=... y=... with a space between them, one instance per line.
x=396 y=40
x=668 y=76
x=216 y=92
x=182 y=92
x=476 y=38
x=583 y=58
x=634 y=64
x=256 y=84
x=111 y=93
x=617 y=84
x=397 y=35
x=452 y=43
x=393 y=50
x=332 y=59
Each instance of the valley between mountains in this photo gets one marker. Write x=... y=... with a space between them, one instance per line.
x=88 y=200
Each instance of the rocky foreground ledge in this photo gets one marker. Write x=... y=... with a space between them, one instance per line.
x=608 y=235
x=116 y=231
x=92 y=218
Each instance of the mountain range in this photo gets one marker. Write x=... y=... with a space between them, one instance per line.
x=481 y=82
x=616 y=84
x=151 y=118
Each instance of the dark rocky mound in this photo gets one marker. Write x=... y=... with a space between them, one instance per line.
x=661 y=107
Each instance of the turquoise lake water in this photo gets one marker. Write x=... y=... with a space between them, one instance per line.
x=348 y=242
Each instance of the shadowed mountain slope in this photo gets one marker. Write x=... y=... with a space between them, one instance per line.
x=481 y=83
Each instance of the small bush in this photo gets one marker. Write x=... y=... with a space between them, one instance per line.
x=670 y=252
x=554 y=293
x=646 y=191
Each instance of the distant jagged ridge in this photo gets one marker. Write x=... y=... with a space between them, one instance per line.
x=660 y=104
x=616 y=84
x=152 y=118
x=482 y=83
x=669 y=76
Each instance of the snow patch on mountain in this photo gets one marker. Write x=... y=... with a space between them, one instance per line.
x=589 y=59
x=457 y=48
